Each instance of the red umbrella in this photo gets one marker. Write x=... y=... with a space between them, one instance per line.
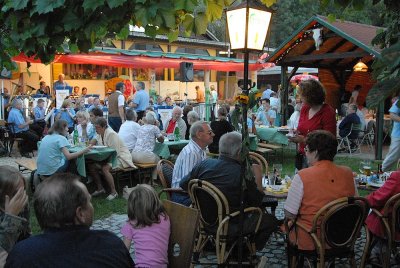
x=302 y=77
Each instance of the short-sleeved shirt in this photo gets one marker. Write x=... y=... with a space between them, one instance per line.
x=90 y=131
x=142 y=100
x=146 y=138
x=150 y=243
x=15 y=116
x=58 y=84
x=396 y=125
x=214 y=95
x=65 y=116
x=266 y=94
x=91 y=107
x=128 y=133
x=39 y=113
x=262 y=116
x=50 y=155
x=191 y=155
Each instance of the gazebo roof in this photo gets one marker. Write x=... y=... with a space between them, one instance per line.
x=343 y=44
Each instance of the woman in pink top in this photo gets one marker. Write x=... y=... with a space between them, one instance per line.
x=148 y=227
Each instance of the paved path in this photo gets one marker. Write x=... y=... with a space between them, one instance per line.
x=274 y=250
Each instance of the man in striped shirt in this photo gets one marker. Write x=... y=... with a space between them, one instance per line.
x=193 y=153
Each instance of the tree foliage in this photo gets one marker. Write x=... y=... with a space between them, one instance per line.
x=45 y=27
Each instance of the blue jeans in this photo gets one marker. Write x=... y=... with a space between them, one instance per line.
x=183 y=199
x=115 y=123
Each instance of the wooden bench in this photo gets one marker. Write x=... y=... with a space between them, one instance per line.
x=274 y=147
x=123 y=174
x=26 y=165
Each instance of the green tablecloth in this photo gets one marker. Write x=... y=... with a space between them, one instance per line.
x=162 y=149
x=95 y=155
x=271 y=135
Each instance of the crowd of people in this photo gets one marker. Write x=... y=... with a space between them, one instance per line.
x=63 y=206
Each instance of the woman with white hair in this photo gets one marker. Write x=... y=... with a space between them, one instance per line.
x=146 y=140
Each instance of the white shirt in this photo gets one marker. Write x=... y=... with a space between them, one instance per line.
x=214 y=95
x=191 y=155
x=121 y=99
x=128 y=133
x=146 y=138
x=275 y=104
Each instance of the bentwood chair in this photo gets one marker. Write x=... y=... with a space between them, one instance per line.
x=334 y=231
x=217 y=223
x=389 y=217
x=165 y=169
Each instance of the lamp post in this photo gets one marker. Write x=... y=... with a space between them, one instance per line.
x=248 y=24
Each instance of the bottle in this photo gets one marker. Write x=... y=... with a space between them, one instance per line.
x=76 y=137
x=177 y=134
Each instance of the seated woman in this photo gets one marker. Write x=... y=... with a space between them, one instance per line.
x=14 y=211
x=314 y=187
x=20 y=128
x=108 y=137
x=85 y=127
x=146 y=139
x=378 y=200
x=219 y=127
x=66 y=113
x=53 y=153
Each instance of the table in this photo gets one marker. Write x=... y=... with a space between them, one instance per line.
x=272 y=135
x=95 y=155
x=163 y=149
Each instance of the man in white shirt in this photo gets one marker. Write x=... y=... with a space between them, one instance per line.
x=129 y=129
x=214 y=99
x=192 y=154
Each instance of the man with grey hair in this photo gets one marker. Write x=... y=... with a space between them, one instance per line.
x=224 y=173
x=20 y=127
x=64 y=211
x=191 y=155
x=176 y=122
x=141 y=101
x=116 y=103
x=60 y=83
x=128 y=130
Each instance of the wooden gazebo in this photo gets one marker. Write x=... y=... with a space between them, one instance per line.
x=334 y=48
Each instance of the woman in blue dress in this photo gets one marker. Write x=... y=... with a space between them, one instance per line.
x=67 y=113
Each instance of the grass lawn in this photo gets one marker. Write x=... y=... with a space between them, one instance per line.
x=104 y=208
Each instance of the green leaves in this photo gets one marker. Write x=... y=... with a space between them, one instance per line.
x=46 y=6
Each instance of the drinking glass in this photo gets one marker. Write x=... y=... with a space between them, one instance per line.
x=277 y=171
x=365 y=167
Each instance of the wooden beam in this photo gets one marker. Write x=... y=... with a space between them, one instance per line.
x=333 y=49
x=355 y=54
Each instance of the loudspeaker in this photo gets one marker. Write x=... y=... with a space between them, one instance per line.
x=186 y=69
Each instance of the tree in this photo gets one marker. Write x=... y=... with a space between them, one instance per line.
x=42 y=28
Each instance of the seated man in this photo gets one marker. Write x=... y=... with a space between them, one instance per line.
x=192 y=154
x=96 y=104
x=128 y=130
x=224 y=173
x=350 y=123
x=267 y=115
x=65 y=213
x=176 y=122
x=21 y=129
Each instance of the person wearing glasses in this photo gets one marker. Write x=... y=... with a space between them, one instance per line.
x=192 y=154
x=315 y=186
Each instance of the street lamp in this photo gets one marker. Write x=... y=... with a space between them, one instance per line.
x=248 y=24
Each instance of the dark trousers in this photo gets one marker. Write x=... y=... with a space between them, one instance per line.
x=115 y=123
x=29 y=141
x=37 y=128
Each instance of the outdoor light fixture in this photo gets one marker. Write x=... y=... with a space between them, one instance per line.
x=360 y=67
x=248 y=24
